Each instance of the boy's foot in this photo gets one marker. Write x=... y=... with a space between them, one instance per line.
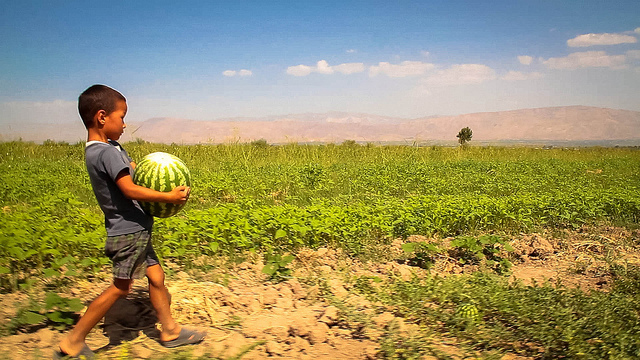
x=186 y=337
x=85 y=353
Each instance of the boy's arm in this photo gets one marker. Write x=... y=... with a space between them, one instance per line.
x=133 y=165
x=125 y=183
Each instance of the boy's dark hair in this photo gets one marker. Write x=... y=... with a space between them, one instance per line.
x=96 y=98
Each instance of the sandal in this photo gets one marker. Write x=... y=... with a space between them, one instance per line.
x=186 y=337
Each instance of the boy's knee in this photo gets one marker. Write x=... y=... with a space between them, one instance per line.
x=156 y=281
x=123 y=286
x=156 y=277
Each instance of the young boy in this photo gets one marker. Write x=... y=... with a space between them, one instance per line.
x=128 y=244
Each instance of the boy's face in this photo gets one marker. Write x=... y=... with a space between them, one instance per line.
x=114 y=125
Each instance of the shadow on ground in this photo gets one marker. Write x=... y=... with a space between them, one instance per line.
x=128 y=317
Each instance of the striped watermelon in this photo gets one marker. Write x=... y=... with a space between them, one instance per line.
x=162 y=172
x=467 y=311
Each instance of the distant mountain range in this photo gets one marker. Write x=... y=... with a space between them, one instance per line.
x=553 y=124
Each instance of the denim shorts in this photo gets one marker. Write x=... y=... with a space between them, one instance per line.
x=131 y=254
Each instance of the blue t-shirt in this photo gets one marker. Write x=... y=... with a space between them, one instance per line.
x=121 y=215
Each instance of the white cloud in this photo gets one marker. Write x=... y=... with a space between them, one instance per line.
x=601 y=39
x=586 y=59
x=462 y=74
x=425 y=53
x=231 y=73
x=299 y=70
x=405 y=68
x=323 y=67
x=519 y=76
x=637 y=30
x=352 y=51
x=349 y=68
x=525 y=59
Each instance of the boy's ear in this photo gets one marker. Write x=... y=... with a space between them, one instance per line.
x=100 y=117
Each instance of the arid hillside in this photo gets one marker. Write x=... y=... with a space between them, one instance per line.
x=569 y=123
x=575 y=123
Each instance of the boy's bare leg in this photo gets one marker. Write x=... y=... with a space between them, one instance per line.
x=159 y=296
x=73 y=343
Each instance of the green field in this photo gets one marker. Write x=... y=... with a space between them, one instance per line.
x=252 y=196
x=276 y=199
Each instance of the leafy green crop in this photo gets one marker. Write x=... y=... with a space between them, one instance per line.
x=485 y=249
x=547 y=321
x=276 y=266
x=422 y=254
x=252 y=196
x=56 y=311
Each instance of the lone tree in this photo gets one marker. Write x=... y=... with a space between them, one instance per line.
x=464 y=135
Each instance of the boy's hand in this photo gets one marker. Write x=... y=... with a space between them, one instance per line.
x=180 y=194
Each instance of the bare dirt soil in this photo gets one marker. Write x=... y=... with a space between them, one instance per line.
x=249 y=317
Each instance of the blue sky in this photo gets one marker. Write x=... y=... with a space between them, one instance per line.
x=205 y=60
